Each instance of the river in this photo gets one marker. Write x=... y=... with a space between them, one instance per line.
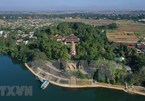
x=14 y=74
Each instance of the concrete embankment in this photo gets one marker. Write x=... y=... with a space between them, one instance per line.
x=103 y=85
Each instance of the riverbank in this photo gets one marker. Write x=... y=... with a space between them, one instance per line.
x=103 y=85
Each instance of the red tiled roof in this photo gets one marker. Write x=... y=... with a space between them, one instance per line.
x=131 y=47
x=72 y=38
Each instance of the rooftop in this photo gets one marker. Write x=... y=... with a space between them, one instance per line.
x=72 y=38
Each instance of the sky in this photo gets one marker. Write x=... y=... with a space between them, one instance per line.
x=93 y=5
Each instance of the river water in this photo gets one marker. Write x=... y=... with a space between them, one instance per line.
x=14 y=74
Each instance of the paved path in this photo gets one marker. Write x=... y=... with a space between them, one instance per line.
x=117 y=87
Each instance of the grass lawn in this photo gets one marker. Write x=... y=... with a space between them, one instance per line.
x=140 y=33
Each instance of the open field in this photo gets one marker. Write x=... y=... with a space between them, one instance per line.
x=91 y=21
x=123 y=25
x=123 y=37
x=140 y=33
x=130 y=26
x=128 y=31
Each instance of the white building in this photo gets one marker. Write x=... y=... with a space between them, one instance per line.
x=26 y=42
x=1 y=33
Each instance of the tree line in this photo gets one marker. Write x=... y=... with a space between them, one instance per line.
x=93 y=45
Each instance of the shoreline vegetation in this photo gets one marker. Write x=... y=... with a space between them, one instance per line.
x=106 y=61
x=133 y=90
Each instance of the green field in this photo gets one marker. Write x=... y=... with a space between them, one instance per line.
x=140 y=33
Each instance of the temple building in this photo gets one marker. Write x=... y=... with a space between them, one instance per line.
x=72 y=39
x=59 y=37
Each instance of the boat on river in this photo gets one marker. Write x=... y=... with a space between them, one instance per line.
x=44 y=84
